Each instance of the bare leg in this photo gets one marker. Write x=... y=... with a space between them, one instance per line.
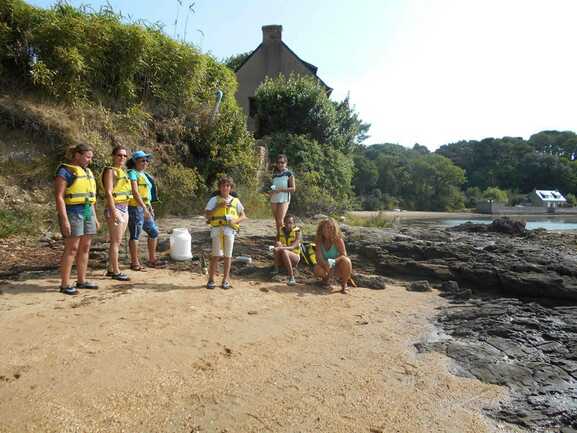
x=343 y=271
x=289 y=259
x=212 y=267
x=134 y=256
x=322 y=273
x=152 y=249
x=82 y=257
x=68 y=256
x=226 y=271
x=275 y=214
x=116 y=233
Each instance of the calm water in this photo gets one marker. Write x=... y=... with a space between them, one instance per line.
x=532 y=223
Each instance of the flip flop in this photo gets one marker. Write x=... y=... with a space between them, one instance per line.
x=157 y=264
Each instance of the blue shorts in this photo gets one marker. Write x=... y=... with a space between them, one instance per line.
x=137 y=223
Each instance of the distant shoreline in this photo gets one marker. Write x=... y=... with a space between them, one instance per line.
x=422 y=215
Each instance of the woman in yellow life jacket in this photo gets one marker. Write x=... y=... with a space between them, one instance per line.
x=287 y=248
x=224 y=213
x=140 y=212
x=75 y=194
x=117 y=192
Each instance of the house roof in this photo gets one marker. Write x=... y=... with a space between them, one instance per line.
x=312 y=68
x=550 y=196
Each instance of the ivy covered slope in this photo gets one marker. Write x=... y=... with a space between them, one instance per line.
x=69 y=75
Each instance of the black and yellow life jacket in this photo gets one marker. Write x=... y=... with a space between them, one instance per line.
x=122 y=190
x=288 y=240
x=82 y=190
x=217 y=217
x=309 y=253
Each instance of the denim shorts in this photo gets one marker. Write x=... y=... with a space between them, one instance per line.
x=137 y=223
x=80 y=226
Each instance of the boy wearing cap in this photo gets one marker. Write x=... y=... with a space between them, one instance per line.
x=140 y=212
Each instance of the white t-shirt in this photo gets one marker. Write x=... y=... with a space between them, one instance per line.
x=227 y=230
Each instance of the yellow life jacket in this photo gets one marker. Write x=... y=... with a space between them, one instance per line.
x=142 y=190
x=122 y=190
x=217 y=217
x=288 y=240
x=83 y=189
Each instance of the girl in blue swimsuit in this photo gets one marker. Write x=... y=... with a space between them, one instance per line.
x=332 y=254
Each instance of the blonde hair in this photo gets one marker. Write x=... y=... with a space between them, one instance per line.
x=334 y=230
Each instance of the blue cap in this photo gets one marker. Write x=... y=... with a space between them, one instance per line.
x=139 y=154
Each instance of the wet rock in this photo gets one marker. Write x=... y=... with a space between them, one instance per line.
x=419 y=286
x=376 y=282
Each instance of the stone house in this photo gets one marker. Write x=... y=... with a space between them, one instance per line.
x=271 y=58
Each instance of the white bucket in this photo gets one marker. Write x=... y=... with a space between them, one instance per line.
x=180 y=245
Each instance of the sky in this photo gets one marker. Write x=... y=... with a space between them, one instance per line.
x=419 y=71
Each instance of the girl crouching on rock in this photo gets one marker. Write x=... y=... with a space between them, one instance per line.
x=332 y=254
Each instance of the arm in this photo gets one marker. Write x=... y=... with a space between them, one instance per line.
x=59 y=189
x=291 y=185
x=295 y=244
x=321 y=258
x=108 y=182
x=240 y=219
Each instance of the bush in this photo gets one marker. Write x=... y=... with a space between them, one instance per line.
x=18 y=221
x=496 y=194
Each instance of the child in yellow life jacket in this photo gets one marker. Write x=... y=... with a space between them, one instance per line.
x=224 y=213
x=287 y=248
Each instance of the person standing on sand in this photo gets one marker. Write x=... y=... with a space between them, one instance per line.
x=224 y=213
x=140 y=212
x=283 y=184
x=117 y=192
x=75 y=194
x=332 y=254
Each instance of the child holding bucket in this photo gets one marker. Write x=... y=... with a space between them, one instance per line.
x=224 y=213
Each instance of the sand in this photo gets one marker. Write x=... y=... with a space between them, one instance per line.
x=163 y=354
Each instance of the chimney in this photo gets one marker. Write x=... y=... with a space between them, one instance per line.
x=272 y=33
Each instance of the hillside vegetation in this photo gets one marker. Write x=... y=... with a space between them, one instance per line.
x=70 y=75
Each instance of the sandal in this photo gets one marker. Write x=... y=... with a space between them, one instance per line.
x=226 y=285
x=210 y=285
x=86 y=285
x=68 y=290
x=120 y=277
x=157 y=264
x=138 y=268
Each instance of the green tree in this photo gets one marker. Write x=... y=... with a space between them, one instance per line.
x=234 y=62
x=496 y=194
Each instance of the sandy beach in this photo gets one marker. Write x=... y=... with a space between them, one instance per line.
x=163 y=354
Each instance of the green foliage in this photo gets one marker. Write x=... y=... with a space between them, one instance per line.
x=178 y=186
x=126 y=83
x=96 y=56
x=324 y=175
x=411 y=178
x=496 y=194
x=571 y=199
x=299 y=105
x=234 y=62
x=17 y=221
